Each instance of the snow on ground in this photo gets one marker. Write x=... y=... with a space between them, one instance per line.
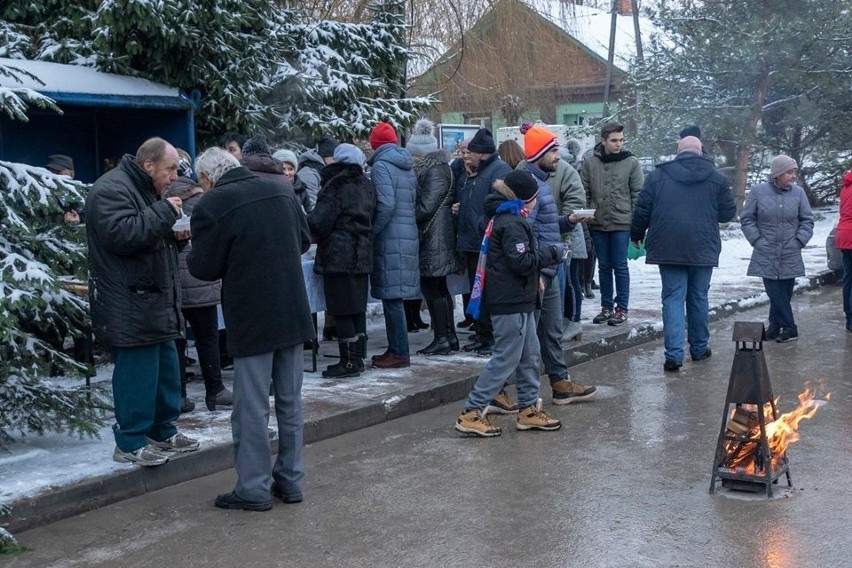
x=35 y=464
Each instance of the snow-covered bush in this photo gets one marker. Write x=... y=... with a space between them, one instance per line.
x=37 y=313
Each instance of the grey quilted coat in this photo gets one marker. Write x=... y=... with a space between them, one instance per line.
x=396 y=267
x=778 y=223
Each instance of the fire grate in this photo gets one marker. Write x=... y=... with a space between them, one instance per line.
x=744 y=460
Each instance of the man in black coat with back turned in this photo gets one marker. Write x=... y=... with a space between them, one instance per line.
x=251 y=233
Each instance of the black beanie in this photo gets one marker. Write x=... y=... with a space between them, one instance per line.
x=482 y=142
x=256 y=145
x=326 y=146
x=691 y=131
x=522 y=184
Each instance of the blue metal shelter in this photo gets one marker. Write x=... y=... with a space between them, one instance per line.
x=104 y=116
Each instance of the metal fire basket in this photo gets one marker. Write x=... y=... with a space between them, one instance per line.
x=749 y=391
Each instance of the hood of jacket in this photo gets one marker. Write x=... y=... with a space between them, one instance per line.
x=311 y=155
x=494 y=200
x=184 y=188
x=263 y=163
x=604 y=157
x=394 y=155
x=688 y=168
x=430 y=160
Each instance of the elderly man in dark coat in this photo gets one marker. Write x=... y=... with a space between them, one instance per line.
x=251 y=233
x=134 y=295
x=680 y=206
x=396 y=266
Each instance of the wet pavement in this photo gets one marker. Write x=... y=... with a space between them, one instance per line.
x=623 y=484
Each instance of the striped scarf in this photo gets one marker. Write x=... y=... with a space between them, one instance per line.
x=514 y=207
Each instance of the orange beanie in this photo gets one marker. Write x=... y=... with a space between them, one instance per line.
x=537 y=141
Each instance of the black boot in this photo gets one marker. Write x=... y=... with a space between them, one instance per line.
x=359 y=351
x=347 y=366
x=587 y=291
x=452 y=338
x=410 y=324
x=440 y=344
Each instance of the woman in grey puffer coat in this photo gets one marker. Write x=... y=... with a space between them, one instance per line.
x=438 y=257
x=778 y=222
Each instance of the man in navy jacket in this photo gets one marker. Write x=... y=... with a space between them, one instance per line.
x=680 y=207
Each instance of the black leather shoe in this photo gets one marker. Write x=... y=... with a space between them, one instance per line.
x=672 y=366
x=289 y=498
x=706 y=355
x=232 y=501
x=475 y=346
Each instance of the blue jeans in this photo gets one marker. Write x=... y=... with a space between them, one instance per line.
x=847 y=287
x=395 y=327
x=780 y=294
x=611 y=249
x=685 y=285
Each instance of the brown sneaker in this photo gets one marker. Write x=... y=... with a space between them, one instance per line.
x=566 y=392
x=501 y=404
x=475 y=422
x=535 y=418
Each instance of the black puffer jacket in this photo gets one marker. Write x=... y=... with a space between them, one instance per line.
x=514 y=260
x=342 y=220
x=435 y=198
x=134 y=289
x=195 y=293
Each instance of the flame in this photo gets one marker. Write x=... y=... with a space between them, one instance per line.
x=743 y=455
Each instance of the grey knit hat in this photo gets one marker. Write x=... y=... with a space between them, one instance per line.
x=285 y=155
x=349 y=154
x=422 y=141
x=780 y=164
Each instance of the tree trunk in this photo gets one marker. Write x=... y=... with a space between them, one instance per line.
x=750 y=133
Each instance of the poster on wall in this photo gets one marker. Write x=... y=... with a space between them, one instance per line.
x=450 y=136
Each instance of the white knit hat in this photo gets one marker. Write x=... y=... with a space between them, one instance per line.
x=422 y=141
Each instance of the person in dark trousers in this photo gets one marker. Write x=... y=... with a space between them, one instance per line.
x=251 y=233
x=134 y=295
x=843 y=242
x=508 y=282
x=438 y=257
x=484 y=167
x=199 y=301
x=678 y=215
x=341 y=223
x=778 y=222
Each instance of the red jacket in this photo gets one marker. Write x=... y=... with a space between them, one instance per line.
x=843 y=238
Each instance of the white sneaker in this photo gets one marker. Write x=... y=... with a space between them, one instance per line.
x=146 y=456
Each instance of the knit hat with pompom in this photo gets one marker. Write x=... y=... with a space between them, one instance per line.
x=538 y=140
x=422 y=141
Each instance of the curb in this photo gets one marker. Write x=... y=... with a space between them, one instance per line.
x=64 y=502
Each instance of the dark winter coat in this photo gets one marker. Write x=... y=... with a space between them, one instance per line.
x=195 y=293
x=514 y=261
x=471 y=192
x=612 y=183
x=544 y=219
x=778 y=223
x=134 y=288
x=680 y=206
x=251 y=233
x=268 y=167
x=342 y=221
x=435 y=198
x=396 y=268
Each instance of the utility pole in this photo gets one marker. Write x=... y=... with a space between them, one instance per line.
x=611 y=58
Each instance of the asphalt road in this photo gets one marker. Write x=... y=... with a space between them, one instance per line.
x=623 y=484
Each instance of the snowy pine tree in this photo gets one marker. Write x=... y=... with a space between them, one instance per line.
x=36 y=312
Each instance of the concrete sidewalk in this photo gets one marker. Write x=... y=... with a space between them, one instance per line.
x=376 y=397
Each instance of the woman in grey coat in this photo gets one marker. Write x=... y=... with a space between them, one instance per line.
x=778 y=222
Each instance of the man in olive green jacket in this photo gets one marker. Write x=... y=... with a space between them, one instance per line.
x=613 y=178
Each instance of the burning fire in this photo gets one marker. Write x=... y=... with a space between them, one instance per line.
x=742 y=455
